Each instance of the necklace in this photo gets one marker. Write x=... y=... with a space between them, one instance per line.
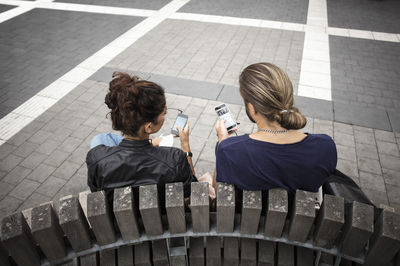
x=283 y=131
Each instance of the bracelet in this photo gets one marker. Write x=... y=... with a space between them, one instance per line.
x=189 y=154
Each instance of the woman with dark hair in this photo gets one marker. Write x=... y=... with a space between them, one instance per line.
x=278 y=154
x=137 y=109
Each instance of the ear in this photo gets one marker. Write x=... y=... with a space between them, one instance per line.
x=251 y=108
x=148 y=128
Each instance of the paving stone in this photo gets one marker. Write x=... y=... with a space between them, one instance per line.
x=34 y=200
x=79 y=155
x=346 y=153
x=388 y=148
x=41 y=173
x=343 y=128
x=61 y=134
x=377 y=197
x=372 y=181
x=74 y=186
x=323 y=127
x=24 y=189
x=11 y=161
x=52 y=125
x=33 y=160
x=66 y=170
x=391 y=177
x=202 y=167
x=48 y=146
x=316 y=108
x=25 y=149
x=200 y=130
x=344 y=139
x=142 y=4
x=16 y=175
x=70 y=144
x=385 y=136
x=364 y=137
x=51 y=186
x=56 y=158
x=348 y=167
x=5 y=188
x=19 y=138
x=208 y=154
x=8 y=205
x=390 y=162
x=207 y=119
x=6 y=149
x=367 y=151
x=82 y=132
x=40 y=137
x=393 y=194
x=369 y=165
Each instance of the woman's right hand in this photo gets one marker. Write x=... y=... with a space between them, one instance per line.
x=184 y=137
x=222 y=133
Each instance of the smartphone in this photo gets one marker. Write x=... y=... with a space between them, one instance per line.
x=224 y=114
x=180 y=121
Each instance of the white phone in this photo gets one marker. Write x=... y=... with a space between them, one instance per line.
x=224 y=114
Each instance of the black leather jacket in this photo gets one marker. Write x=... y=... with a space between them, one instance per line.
x=135 y=163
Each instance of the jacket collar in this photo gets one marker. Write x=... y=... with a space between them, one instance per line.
x=134 y=143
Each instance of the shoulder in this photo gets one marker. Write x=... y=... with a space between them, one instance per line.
x=322 y=139
x=170 y=154
x=233 y=141
x=99 y=152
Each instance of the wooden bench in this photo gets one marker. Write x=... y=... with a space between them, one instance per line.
x=85 y=231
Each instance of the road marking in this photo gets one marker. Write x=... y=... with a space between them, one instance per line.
x=13 y=122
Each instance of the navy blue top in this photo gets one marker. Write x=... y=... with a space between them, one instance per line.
x=257 y=165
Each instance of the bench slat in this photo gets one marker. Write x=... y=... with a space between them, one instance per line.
x=248 y=252
x=358 y=227
x=142 y=254
x=304 y=256
x=18 y=240
x=285 y=255
x=277 y=209
x=231 y=251
x=196 y=251
x=125 y=213
x=302 y=218
x=47 y=232
x=125 y=256
x=4 y=258
x=100 y=218
x=266 y=253
x=178 y=256
x=329 y=221
x=150 y=210
x=225 y=207
x=213 y=251
x=89 y=260
x=251 y=212
x=200 y=207
x=385 y=241
x=74 y=224
x=160 y=252
x=107 y=257
x=175 y=207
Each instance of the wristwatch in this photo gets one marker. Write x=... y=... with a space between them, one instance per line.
x=189 y=154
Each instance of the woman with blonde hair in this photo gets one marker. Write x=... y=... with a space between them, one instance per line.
x=278 y=154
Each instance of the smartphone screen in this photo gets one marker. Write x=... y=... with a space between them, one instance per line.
x=224 y=114
x=180 y=121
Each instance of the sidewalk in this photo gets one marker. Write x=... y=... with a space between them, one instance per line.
x=347 y=85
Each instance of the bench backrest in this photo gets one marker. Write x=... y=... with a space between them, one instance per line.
x=87 y=229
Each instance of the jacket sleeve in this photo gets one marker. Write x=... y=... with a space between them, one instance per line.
x=92 y=173
x=185 y=174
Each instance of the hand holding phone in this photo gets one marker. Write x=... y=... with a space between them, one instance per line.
x=224 y=114
x=180 y=121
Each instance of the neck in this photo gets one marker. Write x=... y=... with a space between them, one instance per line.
x=264 y=123
x=143 y=137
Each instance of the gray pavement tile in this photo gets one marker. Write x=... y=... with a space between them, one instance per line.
x=19 y=138
x=94 y=120
x=6 y=149
x=349 y=168
x=202 y=131
x=390 y=162
x=368 y=117
x=343 y=128
x=34 y=200
x=370 y=15
x=70 y=144
x=393 y=194
x=66 y=170
x=16 y=175
x=344 y=139
x=230 y=94
x=74 y=186
x=25 y=149
x=384 y=136
x=203 y=167
x=377 y=197
x=314 y=107
x=142 y=4
x=391 y=177
x=364 y=137
x=82 y=132
x=24 y=189
x=51 y=186
x=372 y=181
x=388 y=148
x=79 y=155
x=61 y=134
x=9 y=162
x=5 y=8
x=346 y=153
x=289 y=11
x=197 y=143
x=8 y=205
x=394 y=118
x=365 y=150
x=208 y=154
x=82 y=170
x=323 y=127
x=48 y=146
x=193 y=88
x=369 y=165
x=33 y=160
x=40 y=137
x=41 y=173
x=32 y=43
x=56 y=158
x=32 y=127
x=5 y=188
x=207 y=119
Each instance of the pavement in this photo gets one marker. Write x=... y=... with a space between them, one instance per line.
x=56 y=59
